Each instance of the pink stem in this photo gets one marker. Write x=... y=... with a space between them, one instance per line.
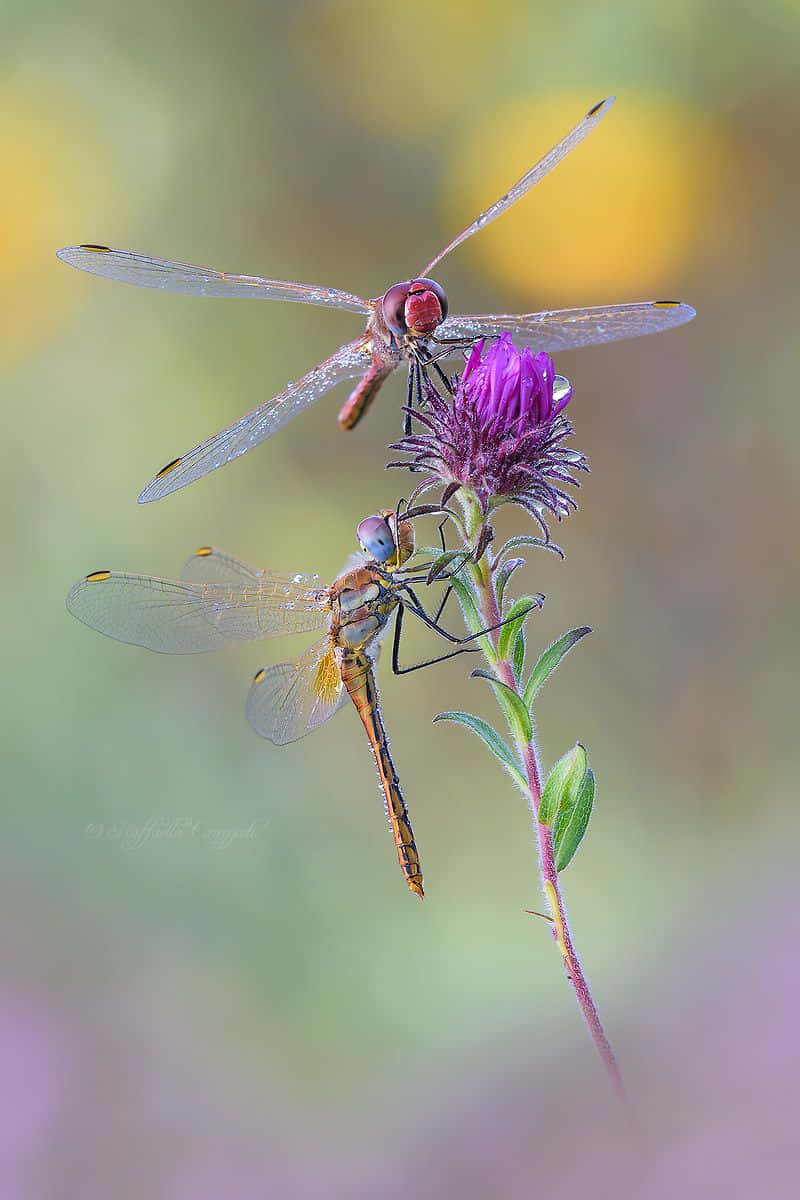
x=544 y=833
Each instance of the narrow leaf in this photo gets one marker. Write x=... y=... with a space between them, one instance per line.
x=550 y=659
x=518 y=655
x=471 y=615
x=491 y=738
x=571 y=825
x=515 y=619
x=511 y=701
x=444 y=560
x=563 y=783
x=527 y=539
x=504 y=574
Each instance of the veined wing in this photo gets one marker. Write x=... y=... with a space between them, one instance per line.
x=210 y=565
x=569 y=328
x=348 y=362
x=180 y=617
x=523 y=185
x=128 y=267
x=288 y=700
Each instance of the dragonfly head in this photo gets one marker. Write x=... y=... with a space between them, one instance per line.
x=416 y=307
x=387 y=540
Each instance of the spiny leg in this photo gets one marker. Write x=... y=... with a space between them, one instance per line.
x=428 y=662
x=418 y=611
x=409 y=402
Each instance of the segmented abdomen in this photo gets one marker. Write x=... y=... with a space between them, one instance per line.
x=359 y=679
x=362 y=395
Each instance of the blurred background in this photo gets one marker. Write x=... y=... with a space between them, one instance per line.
x=214 y=981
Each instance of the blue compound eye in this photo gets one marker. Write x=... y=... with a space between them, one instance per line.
x=377 y=538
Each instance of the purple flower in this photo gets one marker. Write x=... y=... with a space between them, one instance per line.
x=500 y=432
x=509 y=391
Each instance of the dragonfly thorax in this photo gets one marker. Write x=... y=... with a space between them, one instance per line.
x=361 y=603
x=415 y=308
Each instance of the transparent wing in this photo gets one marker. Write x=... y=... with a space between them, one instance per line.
x=572 y=327
x=140 y=269
x=180 y=617
x=348 y=362
x=537 y=172
x=210 y=565
x=288 y=700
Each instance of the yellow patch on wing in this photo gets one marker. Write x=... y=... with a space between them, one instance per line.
x=259 y=675
x=203 y=552
x=169 y=467
x=327 y=678
x=666 y=303
x=98 y=576
x=97 y=249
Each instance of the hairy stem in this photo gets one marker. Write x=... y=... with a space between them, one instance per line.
x=483 y=585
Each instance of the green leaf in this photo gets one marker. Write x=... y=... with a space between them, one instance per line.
x=518 y=655
x=471 y=615
x=504 y=574
x=549 y=661
x=491 y=738
x=527 y=539
x=444 y=560
x=512 y=703
x=570 y=825
x=515 y=619
x=563 y=784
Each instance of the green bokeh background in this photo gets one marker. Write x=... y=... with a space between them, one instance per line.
x=277 y=1015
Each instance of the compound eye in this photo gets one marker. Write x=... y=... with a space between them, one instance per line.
x=432 y=286
x=393 y=306
x=377 y=538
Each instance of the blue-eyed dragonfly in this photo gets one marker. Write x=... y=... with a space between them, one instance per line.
x=408 y=323
x=220 y=600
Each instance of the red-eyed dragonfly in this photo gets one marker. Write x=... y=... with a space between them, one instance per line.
x=408 y=323
x=220 y=600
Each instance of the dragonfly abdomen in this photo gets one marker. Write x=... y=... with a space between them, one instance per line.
x=359 y=679
x=363 y=394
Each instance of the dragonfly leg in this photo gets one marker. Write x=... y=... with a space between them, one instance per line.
x=445 y=598
x=409 y=403
x=428 y=662
x=418 y=611
x=430 y=360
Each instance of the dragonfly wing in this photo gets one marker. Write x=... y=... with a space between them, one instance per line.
x=348 y=362
x=523 y=185
x=181 y=617
x=288 y=700
x=211 y=565
x=569 y=328
x=128 y=267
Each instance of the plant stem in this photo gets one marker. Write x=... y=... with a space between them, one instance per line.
x=483 y=584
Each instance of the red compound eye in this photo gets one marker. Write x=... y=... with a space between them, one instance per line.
x=426 y=306
x=393 y=306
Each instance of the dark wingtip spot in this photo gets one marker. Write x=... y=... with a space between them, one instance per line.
x=169 y=467
x=98 y=249
x=666 y=303
x=98 y=576
x=596 y=108
x=259 y=675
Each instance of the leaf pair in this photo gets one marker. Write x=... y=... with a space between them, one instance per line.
x=567 y=802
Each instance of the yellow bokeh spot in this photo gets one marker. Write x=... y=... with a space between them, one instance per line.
x=618 y=219
x=50 y=150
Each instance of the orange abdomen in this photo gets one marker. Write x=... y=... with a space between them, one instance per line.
x=359 y=679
